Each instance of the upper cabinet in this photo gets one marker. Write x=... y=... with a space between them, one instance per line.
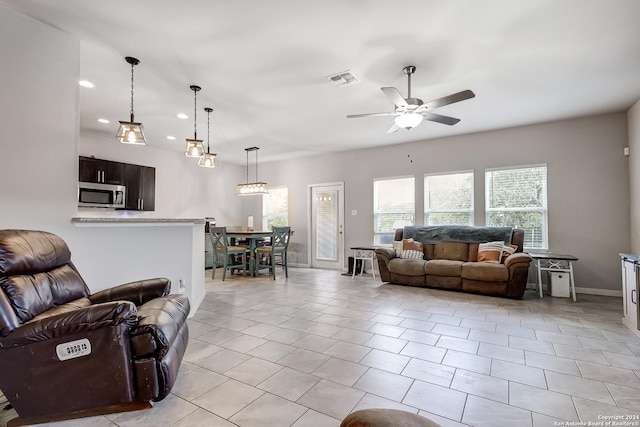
x=141 y=187
x=101 y=171
x=140 y=181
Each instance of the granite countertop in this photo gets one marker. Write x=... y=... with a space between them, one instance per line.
x=135 y=221
x=631 y=257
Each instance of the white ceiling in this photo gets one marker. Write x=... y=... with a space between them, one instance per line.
x=262 y=66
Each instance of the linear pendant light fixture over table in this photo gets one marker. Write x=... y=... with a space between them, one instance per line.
x=131 y=132
x=208 y=160
x=194 y=146
x=252 y=188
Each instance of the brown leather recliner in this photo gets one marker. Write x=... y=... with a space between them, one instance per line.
x=63 y=350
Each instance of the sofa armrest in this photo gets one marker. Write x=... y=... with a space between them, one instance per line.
x=516 y=259
x=82 y=320
x=138 y=292
x=386 y=253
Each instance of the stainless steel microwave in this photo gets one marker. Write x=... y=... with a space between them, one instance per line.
x=92 y=195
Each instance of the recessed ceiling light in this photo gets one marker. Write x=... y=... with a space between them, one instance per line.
x=85 y=83
x=171 y=138
x=105 y=121
x=182 y=116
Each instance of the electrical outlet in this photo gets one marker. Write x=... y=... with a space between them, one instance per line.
x=181 y=286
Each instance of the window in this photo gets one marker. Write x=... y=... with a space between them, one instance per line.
x=448 y=199
x=517 y=197
x=393 y=207
x=275 y=208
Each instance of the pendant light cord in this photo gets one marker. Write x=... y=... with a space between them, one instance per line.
x=132 y=92
x=208 y=137
x=195 y=114
x=247 y=151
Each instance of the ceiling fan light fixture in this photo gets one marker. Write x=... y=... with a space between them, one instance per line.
x=409 y=120
x=131 y=132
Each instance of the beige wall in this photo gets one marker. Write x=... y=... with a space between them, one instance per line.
x=633 y=118
x=588 y=185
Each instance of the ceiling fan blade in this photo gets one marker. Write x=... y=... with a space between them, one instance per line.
x=456 y=97
x=355 y=116
x=440 y=119
x=394 y=127
x=395 y=96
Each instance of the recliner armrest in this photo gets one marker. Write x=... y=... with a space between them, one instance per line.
x=72 y=322
x=138 y=292
x=518 y=258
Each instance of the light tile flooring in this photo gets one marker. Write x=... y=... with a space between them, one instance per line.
x=308 y=350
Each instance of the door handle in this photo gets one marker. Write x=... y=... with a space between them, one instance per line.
x=633 y=294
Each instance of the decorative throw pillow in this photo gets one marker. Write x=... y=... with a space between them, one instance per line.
x=411 y=254
x=397 y=246
x=412 y=249
x=490 y=252
x=507 y=251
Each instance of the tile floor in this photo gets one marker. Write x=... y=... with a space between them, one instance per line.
x=308 y=350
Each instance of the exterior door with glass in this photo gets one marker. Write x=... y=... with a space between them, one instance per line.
x=327 y=219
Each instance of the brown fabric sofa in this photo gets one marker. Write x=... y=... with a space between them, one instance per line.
x=65 y=351
x=451 y=261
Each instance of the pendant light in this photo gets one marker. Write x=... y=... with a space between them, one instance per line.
x=252 y=188
x=131 y=132
x=194 y=146
x=208 y=160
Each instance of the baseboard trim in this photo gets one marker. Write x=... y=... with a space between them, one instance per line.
x=588 y=291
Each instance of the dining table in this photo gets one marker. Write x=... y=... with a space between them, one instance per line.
x=251 y=236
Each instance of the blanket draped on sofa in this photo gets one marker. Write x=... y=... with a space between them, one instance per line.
x=458 y=233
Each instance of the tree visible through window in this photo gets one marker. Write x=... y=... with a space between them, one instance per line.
x=275 y=208
x=448 y=199
x=517 y=197
x=393 y=207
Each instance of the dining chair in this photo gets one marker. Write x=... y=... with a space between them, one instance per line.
x=274 y=253
x=225 y=254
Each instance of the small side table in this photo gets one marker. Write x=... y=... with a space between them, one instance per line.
x=546 y=261
x=365 y=254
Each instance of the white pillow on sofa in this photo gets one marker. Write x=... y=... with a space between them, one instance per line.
x=490 y=252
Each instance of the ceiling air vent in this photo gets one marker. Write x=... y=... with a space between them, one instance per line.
x=344 y=78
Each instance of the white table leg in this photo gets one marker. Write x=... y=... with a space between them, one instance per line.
x=573 y=283
x=539 y=278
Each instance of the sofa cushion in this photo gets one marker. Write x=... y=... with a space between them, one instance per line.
x=485 y=271
x=456 y=251
x=407 y=267
x=443 y=267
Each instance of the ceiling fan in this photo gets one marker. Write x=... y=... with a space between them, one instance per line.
x=410 y=112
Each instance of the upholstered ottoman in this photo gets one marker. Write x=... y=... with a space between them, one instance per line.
x=385 y=418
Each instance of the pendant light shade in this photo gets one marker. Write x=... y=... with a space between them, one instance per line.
x=252 y=188
x=208 y=160
x=131 y=132
x=194 y=146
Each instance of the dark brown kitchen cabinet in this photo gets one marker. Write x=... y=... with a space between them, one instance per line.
x=141 y=187
x=100 y=171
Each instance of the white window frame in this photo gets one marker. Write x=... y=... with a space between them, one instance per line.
x=266 y=216
x=378 y=234
x=544 y=210
x=428 y=210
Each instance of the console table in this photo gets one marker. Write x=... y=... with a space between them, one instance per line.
x=365 y=253
x=546 y=261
